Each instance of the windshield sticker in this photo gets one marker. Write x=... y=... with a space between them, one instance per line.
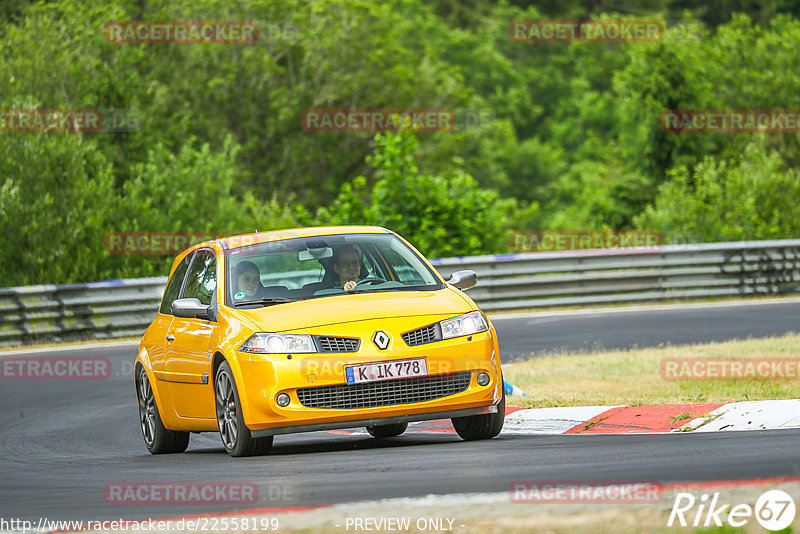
x=239 y=295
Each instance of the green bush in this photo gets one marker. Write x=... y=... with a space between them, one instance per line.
x=441 y=216
x=56 y=194
x=58 y=202
x=720 y=200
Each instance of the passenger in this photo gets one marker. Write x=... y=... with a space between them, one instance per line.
x=247 y=280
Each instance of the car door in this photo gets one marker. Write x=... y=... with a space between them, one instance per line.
x=155 y=339
x=188 y=354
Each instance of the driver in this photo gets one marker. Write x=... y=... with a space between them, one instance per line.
x=347 y=266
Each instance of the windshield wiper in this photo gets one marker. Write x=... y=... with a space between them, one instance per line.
x=265 y=300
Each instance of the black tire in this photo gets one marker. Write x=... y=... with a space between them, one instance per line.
x=157 y=438
x=387 y=431
x=484 y=426
x=236 y=437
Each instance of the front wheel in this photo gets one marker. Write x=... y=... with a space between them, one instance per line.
x=157 y=438
x=387 y=431
x=484 y=426
x=236 y=437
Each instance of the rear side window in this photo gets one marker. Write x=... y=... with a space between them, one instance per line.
x=202 y=279
x=174 y=286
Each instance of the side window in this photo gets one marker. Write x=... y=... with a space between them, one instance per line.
x=174 y=285
x=405 y=272
x=202 y=279
x=368 y=263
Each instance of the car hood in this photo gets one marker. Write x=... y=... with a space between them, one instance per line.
x=339 y=309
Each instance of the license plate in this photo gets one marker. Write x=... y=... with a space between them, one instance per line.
x=371 y=372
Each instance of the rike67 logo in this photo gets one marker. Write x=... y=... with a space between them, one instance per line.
x=774 y=510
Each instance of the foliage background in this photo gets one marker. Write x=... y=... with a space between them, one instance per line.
x=574 y=142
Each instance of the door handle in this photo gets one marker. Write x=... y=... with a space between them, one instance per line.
x=170 y=337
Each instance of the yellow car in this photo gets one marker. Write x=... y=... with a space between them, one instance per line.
x=314 y=329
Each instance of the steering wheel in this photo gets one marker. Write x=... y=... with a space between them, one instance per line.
x=371 y=280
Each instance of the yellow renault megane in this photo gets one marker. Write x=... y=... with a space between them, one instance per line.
x=314 y=329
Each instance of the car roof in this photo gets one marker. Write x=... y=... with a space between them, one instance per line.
x=237 y=241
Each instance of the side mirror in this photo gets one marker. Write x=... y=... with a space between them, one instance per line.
x=463 y=280
x=190 y=308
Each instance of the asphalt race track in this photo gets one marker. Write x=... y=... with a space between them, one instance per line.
x=624 y=328
x=63 y=441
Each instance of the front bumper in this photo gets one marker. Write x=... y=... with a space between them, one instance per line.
x=374 y=421
x=321 y=399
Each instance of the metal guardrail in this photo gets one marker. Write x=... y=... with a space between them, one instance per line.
x=534 y=280
x=98 y=310
x=118 y=308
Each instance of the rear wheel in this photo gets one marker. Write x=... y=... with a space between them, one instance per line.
x=236 y=437
x=387 y=431
x=484 y=426
x=157 y=438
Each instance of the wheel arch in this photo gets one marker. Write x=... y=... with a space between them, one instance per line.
x=238 y=378
x=137 y=368
x=167 y=412
x=500 y=388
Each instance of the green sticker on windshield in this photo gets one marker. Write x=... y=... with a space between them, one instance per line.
x=239 y=295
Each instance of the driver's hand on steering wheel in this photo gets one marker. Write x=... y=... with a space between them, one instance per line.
x=350 y=285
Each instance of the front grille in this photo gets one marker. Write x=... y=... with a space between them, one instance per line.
x=337 y=344
x=420 y=336
x=384 y=392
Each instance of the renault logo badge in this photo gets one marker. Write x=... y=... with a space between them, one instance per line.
x=381 y=339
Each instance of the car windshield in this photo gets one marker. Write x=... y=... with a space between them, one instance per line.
x=301 y=268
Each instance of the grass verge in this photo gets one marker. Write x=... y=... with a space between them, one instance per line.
x=632 y=377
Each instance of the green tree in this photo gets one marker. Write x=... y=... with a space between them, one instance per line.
x=721 y=200
x=442 y=216
x=192 y=191
x=56 y=196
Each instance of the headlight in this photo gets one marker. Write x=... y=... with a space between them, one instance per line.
x=464 y=325
x=265 y=343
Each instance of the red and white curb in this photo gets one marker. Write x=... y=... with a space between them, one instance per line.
x=660 y=418
x=750 y=415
